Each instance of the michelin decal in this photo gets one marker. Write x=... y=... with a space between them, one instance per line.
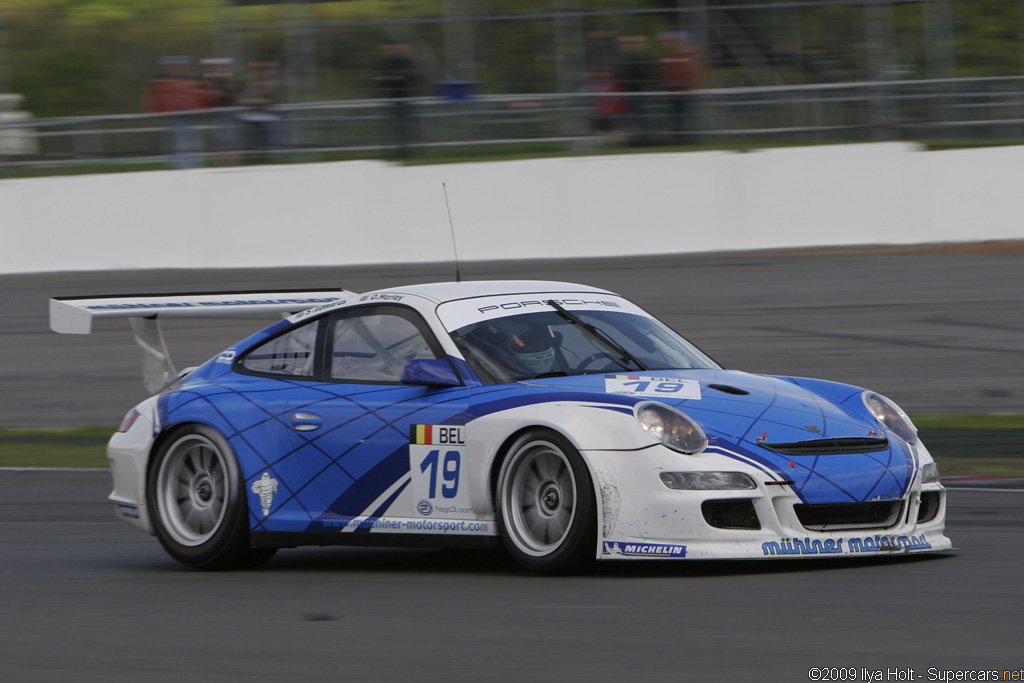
x=265 y=487
x=623 y=549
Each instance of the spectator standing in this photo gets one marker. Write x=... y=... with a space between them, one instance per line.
x=395 y=77
x=609 y=106
x=219 y=89
x=636 y=74
x=680 y=72
x=174 y=92
x=263 y=126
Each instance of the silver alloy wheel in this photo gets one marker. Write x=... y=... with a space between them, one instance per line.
x=191 y=488
x=538 y=498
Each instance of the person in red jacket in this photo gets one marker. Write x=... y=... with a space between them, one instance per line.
x=174 y=91
x=680 y=71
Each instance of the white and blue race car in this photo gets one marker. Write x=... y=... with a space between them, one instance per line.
x=559 y=421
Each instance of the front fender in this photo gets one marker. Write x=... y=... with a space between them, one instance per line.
x=587 y=426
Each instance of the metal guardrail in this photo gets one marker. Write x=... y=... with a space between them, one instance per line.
x=983 y=108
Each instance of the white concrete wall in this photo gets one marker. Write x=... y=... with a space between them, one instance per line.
x=373 y=212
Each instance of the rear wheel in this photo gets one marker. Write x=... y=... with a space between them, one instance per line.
x=198 y=504
x=546 y=502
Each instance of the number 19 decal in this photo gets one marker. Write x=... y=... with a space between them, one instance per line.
x=449 y=472
x=655 y=387
x=436 y=456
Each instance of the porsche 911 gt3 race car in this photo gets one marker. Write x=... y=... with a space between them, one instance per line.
x=559 y=421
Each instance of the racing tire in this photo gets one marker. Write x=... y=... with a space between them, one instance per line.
x=198 y=504
x=547 y=514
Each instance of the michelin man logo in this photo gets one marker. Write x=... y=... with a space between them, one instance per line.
x=265 y=487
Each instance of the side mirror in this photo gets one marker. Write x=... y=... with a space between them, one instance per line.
x=430 y=372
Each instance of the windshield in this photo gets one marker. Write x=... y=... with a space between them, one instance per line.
x=547 y=343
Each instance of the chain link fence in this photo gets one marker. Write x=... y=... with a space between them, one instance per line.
x=95 y=81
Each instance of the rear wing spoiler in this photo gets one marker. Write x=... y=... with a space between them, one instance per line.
x=74 y=315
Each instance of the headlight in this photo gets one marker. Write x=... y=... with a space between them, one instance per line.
x=671 y=427
x=707 y=481
x=890 y=415
x=930 y=473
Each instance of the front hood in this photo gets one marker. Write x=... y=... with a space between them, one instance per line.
x=816 y=434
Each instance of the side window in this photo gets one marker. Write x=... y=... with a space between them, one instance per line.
x=290 y=355
x=374 y=344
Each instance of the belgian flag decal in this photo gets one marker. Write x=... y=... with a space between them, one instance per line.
x=428 y=435
x=421 y=434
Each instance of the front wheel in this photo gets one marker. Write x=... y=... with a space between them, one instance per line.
x=546 y=503
x=197 y=502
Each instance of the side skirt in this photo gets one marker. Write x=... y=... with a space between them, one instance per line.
x=285 y=539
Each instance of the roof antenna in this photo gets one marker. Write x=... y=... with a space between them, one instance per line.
x=451 y=225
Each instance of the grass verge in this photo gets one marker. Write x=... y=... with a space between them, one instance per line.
x=76 y=448
x=486 y=152
x=976 y=444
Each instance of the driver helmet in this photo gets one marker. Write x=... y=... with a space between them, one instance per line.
x=533 y=349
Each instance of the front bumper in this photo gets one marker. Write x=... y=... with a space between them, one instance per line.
x=641 y=518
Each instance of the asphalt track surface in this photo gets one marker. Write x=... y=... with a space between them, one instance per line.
x=88 y=599
x=83 y=597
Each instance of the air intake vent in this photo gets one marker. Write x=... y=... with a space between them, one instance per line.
x=838 y=446
x=929 y=509
x=725 y=388
x=730 y=514
x=849 y=516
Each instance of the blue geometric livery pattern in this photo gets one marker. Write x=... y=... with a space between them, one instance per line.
x=341 y=469
x=334 y=472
